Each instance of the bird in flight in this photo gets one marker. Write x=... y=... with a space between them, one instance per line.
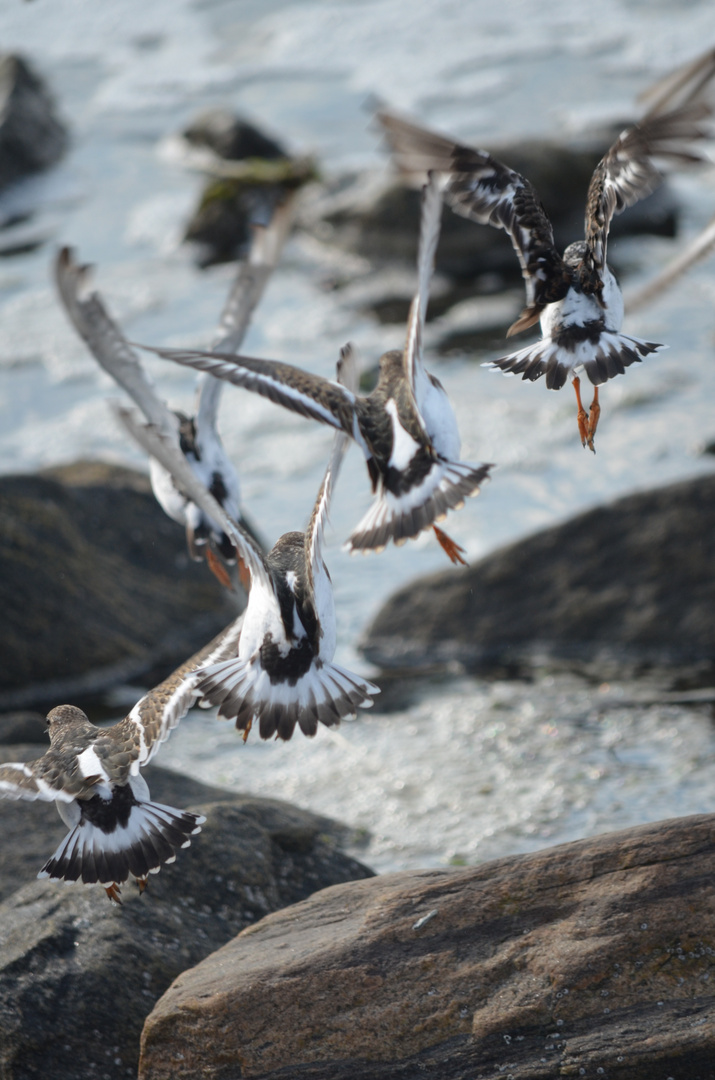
x=575 y=295
x=197 y=435
x=282 y=672
x=93 y=776
x=406 y=428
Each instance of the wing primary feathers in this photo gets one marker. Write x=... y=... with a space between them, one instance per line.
x=634 y=166
x=168 y=454
x=90 y=318
x=294 y=388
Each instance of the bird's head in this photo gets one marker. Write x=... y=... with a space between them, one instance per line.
x=63 y=717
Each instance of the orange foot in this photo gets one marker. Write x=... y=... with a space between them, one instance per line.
x=244 y=574
x=247 y=729
x=593 y=417
x=142 y=883
x=218 y=570
x=114 y=893
x=581 y=417
x=453 y=550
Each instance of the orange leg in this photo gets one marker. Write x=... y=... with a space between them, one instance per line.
x=244 y=574
x=113 y=892
x=452 y=549
x=247 y=729
x=218 y=570
x=142 y=883
x=593 y=416
x=581 y=417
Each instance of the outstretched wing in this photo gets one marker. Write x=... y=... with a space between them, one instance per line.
x=292 y=387
x=695 y=252
x=692 y=81
x=106 y=342
x=482 y=188
x=168 y=454
x=430 y=223
x=132 y=742
x=633 y=167
x=40 y=779
x=252 y=276
x=245 y=295
x=349 y=376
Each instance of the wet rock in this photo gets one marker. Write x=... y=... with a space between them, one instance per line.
x=23 y=726
x=626 y=586
x=239 y=197
x=96 y=587
x=79 y=975
x=231 y=137
x=31 y=135
x=593 y=958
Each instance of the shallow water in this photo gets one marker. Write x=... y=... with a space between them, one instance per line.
x=473 y=770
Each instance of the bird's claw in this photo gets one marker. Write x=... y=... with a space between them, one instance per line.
x=453 y=550
x=114 y=893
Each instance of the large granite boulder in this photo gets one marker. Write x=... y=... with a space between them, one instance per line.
x=625 y=586
x=595 y=958
x=96 y=586
x=78 y=975
x=32 y=136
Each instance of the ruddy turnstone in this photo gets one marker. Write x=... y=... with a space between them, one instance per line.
x=92 y=774
x=283 y=673
x=406 y=427
x=575 y=296
x=197 y=435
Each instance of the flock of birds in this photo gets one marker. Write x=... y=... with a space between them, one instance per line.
x=273 y=666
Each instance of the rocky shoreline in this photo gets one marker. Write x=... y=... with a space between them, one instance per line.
x=596 y=955
x=266 y=950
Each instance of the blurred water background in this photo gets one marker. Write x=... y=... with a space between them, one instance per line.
x=471 y=769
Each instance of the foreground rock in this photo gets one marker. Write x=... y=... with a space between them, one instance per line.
x=79 y=975
x=591 y=959
x=96 y=587
x=626 y=586
x=32 y=136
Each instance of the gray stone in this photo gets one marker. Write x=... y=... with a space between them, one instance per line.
x=24 y=726
x=96 y=587
x=32 y=136
x=78 y=975
x=627 y=586
x=595 y=959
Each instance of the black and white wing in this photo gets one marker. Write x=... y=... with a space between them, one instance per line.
x=430 y=224
x=692 y=81
x=130 y=744
x=41 y=779
x=635 y=164
x=349 y=376
x=252 y=277
x=482 y=188
x=106 y=342
x=294 y=388
x=168 y=454
x=243 y=299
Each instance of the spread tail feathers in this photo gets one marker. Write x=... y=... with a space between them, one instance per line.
x=610 y=356
x=325 y=694
x=152 y=835
x=402 y=517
